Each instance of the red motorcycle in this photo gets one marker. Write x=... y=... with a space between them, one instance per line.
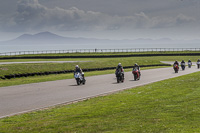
x=176 y=68
x=136 y=74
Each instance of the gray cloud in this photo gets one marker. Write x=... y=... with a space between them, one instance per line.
x=129 y=7
x=105 y=18
x=7 y=6
x=32 y=16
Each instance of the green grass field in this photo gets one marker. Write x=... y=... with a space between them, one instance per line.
x=167 y=106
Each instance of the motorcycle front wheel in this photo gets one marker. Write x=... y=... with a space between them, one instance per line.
x=122 y=80
x=118 y=79
x=135 y=77
x=78 y=81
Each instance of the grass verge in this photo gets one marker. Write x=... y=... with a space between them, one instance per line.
x=94 y=63
x=172 y=105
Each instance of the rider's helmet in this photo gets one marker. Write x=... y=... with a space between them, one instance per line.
x=76 y=66
x=119 y=64
x=182 y=60
x=135 y=64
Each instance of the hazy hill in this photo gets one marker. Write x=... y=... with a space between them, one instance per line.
x=50 y=38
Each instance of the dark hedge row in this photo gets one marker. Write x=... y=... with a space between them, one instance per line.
x=100 y=56
x=69 y=71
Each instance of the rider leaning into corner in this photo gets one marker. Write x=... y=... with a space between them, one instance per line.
x=136 y=66
x=119 y=69
x=78 y=69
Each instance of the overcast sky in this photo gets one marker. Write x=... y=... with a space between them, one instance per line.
x=110 y=19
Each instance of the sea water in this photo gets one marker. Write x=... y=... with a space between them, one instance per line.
x=44 y=47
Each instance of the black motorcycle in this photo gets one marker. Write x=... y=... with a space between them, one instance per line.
x=189 y=64
x=198 y=64
x=120 y=77
x=183 y=66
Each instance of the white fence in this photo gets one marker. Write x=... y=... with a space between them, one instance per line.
x=97 y=51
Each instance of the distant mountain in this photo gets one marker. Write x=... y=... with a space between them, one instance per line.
x=50 y=38
x=40 y=36
x=43 y=37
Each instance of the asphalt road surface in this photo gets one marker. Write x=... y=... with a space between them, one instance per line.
x=24 y=98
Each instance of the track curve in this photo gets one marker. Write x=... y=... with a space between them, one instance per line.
x=24 y=98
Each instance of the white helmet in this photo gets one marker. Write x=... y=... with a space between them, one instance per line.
x=76 y=66
x=119 y=64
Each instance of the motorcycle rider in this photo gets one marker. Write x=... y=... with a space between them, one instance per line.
x=189 y=61
x=176 y=63
x=182 y=61
x=198 y=60
x=198 y=63
x=79 y=70
x=136 y=66
x=119 y=69
x=183 y=64
x=176 y=66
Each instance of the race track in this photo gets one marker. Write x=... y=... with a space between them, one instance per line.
x=29 y=97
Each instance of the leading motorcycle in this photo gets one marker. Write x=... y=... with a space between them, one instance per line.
x=79 y=78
